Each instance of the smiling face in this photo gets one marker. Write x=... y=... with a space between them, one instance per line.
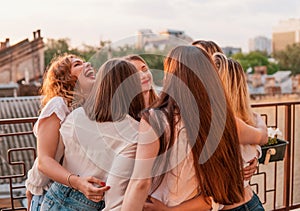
x=146 y=76
x=79 y=66
x=84 y=72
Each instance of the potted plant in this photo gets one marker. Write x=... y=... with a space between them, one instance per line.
x=274 y=150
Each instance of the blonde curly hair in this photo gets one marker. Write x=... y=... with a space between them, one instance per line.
x=58 y=80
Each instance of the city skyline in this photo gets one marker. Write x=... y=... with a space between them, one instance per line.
x=229 y=23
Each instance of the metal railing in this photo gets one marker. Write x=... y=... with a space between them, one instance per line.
x=275 y=183
x=11 y=161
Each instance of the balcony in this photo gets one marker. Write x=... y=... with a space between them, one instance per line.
x=276 y=183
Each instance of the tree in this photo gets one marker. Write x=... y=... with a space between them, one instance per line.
x=255 y=58
x=99 y=55
x=61 y=46
x=156 y=65
x=289 y=59
x=55 y=47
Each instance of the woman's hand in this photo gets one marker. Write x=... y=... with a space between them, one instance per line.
x=251 y=169
x=91 y=187
x=261 y=124
x=153 y=204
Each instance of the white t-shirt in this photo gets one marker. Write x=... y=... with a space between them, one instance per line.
x=105 y=150
x=180 y=183
x=37 y=182
x=248 y=152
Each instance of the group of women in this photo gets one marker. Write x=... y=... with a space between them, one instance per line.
x=107 y=141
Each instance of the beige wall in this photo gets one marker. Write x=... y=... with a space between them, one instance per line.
x=282 y=39
x=29 y=56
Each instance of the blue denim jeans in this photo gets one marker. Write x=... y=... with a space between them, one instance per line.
x=63 y=198
x=253 y=205
x=36 y=202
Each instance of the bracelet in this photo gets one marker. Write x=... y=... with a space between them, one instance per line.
x=68 y=179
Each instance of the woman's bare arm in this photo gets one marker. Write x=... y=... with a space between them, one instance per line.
x=47 y=142
x=139 y=185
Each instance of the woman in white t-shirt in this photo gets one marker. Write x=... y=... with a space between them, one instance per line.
x=65 y=73
x=99 y=140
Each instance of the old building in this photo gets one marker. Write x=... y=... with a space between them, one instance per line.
x=23 y=61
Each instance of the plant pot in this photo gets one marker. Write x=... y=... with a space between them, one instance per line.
x=273 y=152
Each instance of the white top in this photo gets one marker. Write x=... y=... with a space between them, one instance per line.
x=180 y=183
x=37 y=182
x=105 y=150
x=249 y=151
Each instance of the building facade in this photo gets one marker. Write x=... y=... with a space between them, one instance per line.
x=23 y=61
x=287 y=32
x=229 y=51
x=260 y=43
x=148 y=40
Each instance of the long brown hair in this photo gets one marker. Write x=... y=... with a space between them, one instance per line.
x=116 y=84
x=58 y=80
x=235 y=84
x=219 y=175
x=134 y=57
x=209 y=46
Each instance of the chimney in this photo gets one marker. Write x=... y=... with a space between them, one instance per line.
x=2 y=45
x=7 y=42
x=39 y=33
x=34 y=35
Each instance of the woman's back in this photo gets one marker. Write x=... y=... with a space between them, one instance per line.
x=105 y=150
x=180 y=182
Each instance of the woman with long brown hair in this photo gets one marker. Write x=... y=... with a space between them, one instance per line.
x=192 y=131
x=100 y=141
x=146 y=78
x=236 y=87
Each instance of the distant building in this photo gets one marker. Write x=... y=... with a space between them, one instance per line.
x=287 y=32
x=296 y=83
x=262 y=70
x=280 y=82
x=177 y=33
x=23 y=61
x=260 y=43
x=9 y=90
x=148 y=40
x=21 y=66
x=231 y=50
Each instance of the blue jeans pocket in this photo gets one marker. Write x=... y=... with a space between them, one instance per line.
x=47 y=203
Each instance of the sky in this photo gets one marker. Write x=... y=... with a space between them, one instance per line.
x=227 y=22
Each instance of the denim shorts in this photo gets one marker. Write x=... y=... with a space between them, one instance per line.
x=36 y=202
x=63 y=198
x=253 y=205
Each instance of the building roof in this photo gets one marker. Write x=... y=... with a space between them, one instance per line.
x=281 y=76
x=19 y=107
x=281 y=79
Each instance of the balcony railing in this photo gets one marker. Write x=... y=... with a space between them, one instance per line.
x=275 y=183
x=18 y=158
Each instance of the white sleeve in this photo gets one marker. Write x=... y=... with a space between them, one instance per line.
x=55 y=106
